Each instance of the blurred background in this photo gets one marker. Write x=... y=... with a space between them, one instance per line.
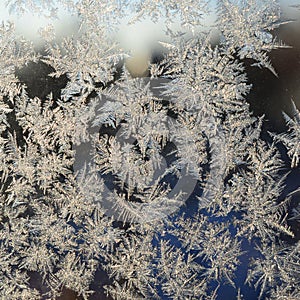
x=269 y=95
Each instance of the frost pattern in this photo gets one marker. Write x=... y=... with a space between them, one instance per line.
x=291 y=139
x=127 y=213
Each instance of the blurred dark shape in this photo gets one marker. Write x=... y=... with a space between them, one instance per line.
x=39 y=84
x=271 y=95
x=68 y=294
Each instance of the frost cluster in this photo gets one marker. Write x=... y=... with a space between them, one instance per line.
x=164 y=182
